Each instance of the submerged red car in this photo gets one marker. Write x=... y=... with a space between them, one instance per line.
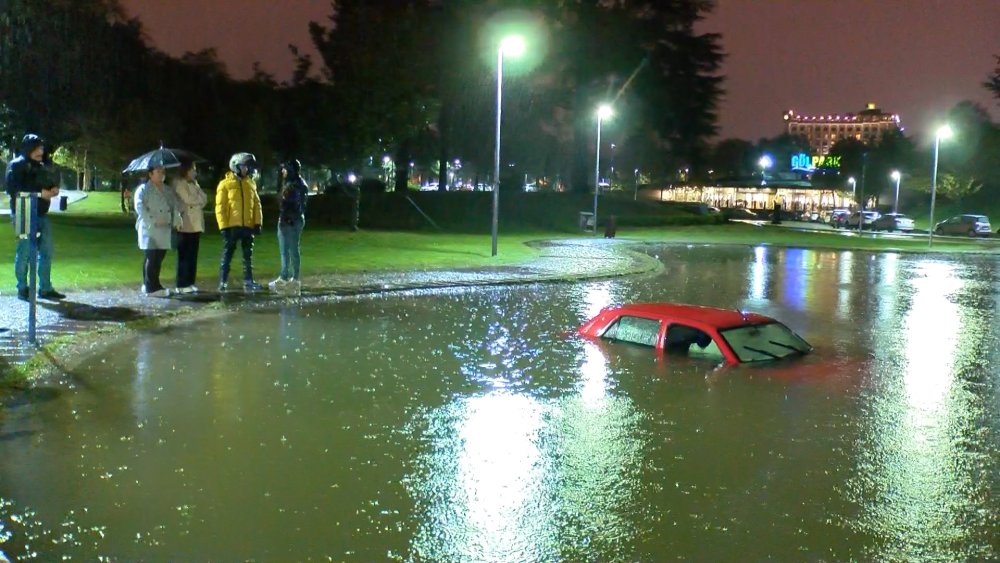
x=726 y=334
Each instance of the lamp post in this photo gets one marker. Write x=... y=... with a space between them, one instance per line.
x=943 y=132
x=895 y=202
x=765 y=162
x=513 y=46
x=603 y=112
x=854 y=190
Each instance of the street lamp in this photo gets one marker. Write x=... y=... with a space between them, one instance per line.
x=895 y=202
x=765 y=162
x=943 y=132
x=514 y=46
x=603 y=112
x=854 y=189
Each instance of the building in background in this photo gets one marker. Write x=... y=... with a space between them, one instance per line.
x=822 y=131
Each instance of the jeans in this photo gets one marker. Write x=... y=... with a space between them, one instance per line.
x=151 y=269
x=289 y=242
x=45 y=248
x=231 y=237
x=187 y=258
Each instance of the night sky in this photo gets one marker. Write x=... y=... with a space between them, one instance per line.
x=916 y=58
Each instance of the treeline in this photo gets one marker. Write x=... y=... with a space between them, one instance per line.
x=413 y=80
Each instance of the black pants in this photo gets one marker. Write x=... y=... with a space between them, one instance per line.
x=231 y=237
x=187 y=258
x=151 y=269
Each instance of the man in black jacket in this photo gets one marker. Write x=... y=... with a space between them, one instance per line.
x=28 y=173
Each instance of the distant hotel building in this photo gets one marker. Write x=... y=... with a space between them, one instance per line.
x=822 y=131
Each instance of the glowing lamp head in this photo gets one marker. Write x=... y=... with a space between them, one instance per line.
x=944 y=132
x=512 y=46
x=765 y=161
x=604 y=111
x=352 y=178
x=895 y=175
x=851 y=180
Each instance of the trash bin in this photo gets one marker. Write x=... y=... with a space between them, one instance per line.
x=776 y=217
x=587 y=220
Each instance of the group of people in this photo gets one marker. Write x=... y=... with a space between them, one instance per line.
x=172 y=217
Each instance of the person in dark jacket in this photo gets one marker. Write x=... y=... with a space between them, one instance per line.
x=31 y=172
x=291 y=221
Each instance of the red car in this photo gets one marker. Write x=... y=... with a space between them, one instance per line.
x=726 y=334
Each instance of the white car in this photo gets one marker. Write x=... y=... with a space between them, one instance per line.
x=893 y=222
x=870 y=217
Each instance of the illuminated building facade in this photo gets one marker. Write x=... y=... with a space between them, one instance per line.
x=822 y=131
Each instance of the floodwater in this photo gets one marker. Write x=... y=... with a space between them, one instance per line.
x=472 y=425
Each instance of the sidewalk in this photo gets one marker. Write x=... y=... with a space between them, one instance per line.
x=88 y=310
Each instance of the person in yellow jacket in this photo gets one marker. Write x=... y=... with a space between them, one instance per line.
x=237 y=210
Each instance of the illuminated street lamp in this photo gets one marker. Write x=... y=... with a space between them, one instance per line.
x=895 y=202
x=603 y=112
x=854 y=189
x=765 y=162
x=943 y=132
x=514 y=46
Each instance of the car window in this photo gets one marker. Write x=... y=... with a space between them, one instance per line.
x=637 y=330
x=683 y=339
x=763 y=342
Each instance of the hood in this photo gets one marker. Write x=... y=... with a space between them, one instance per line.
x=29 y=143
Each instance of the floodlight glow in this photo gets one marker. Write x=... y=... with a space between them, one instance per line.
x=851 y=180
x=352 y=178
x=944 y=132
x=765 y=161
x=895 y=175
x=604 y=111
x=512 y=46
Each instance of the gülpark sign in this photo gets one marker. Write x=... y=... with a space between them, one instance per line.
x=805 y=162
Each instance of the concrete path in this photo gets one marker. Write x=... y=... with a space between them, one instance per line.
x=88 y=310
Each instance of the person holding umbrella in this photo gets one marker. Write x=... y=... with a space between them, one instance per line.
x=157 y=216
x=191 y=200
x=237 y=210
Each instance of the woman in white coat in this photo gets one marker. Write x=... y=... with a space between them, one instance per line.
x=156 y=218
x=191 y=200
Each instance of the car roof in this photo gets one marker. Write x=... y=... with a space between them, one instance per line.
x=895 y=215
x=719 y=318
x=974 y=215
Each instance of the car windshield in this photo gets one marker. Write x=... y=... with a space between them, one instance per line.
x=764 y=342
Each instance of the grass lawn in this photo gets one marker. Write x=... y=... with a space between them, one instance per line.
x=96 y=247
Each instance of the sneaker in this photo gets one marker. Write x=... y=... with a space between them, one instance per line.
x=278 y=284
x=51 y=294
x=191 y=289
x=252 y=286
x=294 y=285
x=223 y=287
x=23 y=294
x=162 y=292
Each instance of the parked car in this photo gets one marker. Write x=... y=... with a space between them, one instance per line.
x=838 y=218
x=968 y=225
x=893 y=222
x=870 y=217
x=718 y=334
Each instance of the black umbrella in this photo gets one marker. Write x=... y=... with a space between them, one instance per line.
x=162 y=157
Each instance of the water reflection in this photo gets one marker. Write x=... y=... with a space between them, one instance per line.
x=473 y=425
x=919 y=481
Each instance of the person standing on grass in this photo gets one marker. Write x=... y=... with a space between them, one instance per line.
x=157 y=216
x=291 y=221
x=30 y=172
x=237 y=210
x=191 y=200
